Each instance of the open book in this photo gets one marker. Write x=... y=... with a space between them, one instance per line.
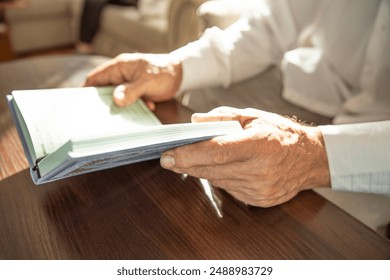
x=71 y=131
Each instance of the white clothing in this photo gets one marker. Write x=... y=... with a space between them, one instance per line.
x=335 y=58
x=359 y=156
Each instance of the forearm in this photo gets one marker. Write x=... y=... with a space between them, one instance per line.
x=246 y=48
x=223 y=57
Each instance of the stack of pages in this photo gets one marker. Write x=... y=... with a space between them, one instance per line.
x=71 y=131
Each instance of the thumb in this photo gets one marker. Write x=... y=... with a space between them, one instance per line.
x=127 y=94
x=217 y=114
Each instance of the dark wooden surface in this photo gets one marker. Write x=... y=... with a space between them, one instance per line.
x=141 y=211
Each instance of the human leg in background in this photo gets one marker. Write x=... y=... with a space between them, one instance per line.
x=90 y=18
x=89 y=24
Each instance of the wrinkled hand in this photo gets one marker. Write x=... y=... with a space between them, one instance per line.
x=154 y=77
x=267 y=164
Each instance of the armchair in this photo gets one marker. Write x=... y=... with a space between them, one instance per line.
x=43 y=24
x=143 y=31
x=159 y=26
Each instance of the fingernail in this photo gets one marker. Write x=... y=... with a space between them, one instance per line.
x=167 y=161
x=119 y=95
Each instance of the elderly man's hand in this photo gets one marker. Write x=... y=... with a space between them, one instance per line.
x=267 y=164
x=154 y=77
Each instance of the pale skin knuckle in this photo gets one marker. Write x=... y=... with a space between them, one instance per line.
x=198 y=171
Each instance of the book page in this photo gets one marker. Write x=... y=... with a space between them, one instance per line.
x=54 y=116
x=86 y=156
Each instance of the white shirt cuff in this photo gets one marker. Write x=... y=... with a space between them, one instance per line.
x=359 y=156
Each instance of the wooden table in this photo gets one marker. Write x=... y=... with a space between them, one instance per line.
x=142 y=211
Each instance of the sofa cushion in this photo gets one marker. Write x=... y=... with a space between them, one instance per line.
x=37 y=9
x=154 y=8
x=128 y=23
x=53 y=33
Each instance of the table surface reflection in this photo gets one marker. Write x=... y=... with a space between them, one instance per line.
x=142 y=211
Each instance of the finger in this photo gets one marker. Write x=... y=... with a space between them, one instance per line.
x=243 y=116
x=219 y=173
x=127 y=94
x=264 y=202
x=151 y=105
x=217 y=114
x=217 y=151
x=233 y=185
x=255 y=190
x=248 y=200
x=261 y=195
x=100 y=75
x=240 y=197
x=114 y=72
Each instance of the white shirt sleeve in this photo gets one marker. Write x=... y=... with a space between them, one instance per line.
x=359 y=156
x=248 y=47
x=324 y=70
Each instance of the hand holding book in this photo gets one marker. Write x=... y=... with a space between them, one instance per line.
x=154 y=77
x=266 y=164
x=71 y=131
